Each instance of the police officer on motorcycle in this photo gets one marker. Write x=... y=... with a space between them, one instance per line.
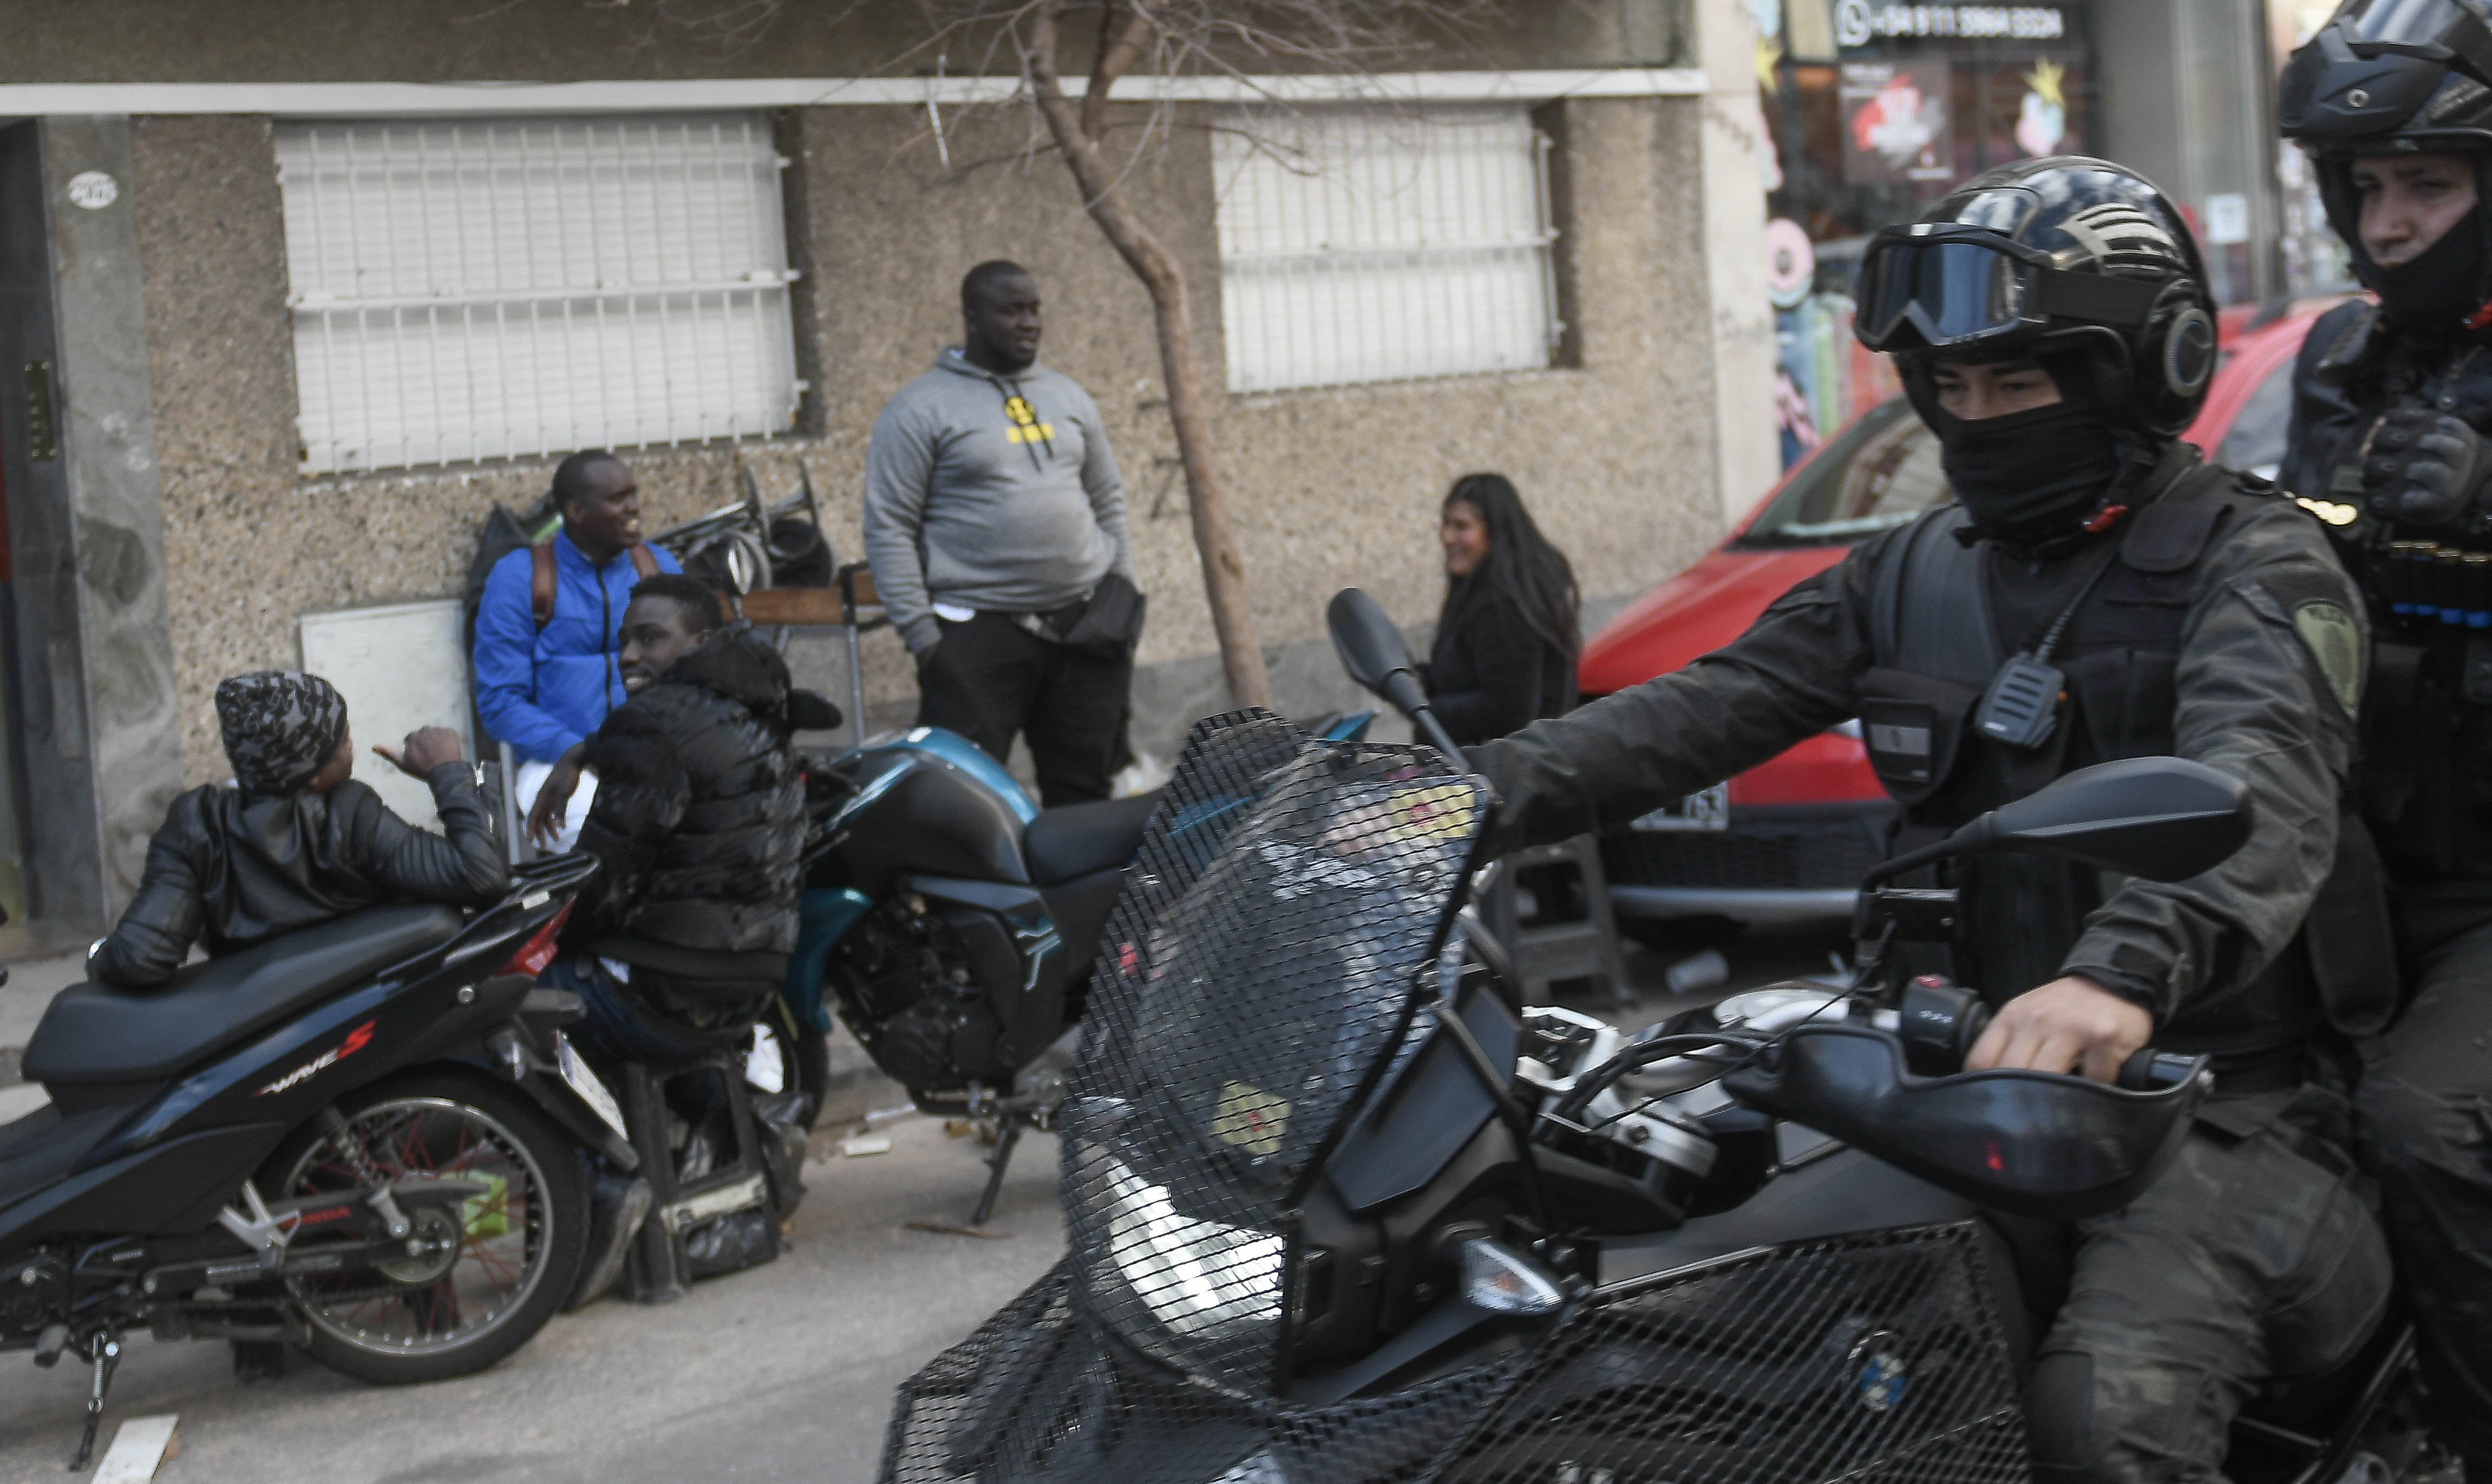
x=2392 y=405
x=2096 y=592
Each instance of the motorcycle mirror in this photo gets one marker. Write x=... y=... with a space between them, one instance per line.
x=1372 y=654
x=2162 y=818
x=1369 y=645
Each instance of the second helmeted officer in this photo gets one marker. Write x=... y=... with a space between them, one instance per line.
x=2392 y=436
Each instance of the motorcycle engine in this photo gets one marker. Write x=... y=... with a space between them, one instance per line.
x=34 y=1291
x=913 y=984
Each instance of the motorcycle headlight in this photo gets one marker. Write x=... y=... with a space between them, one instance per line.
x=1196 y=1277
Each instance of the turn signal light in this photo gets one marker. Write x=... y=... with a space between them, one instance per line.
x=1503 y=1281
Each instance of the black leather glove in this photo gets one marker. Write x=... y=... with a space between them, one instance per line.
x=2426 y=471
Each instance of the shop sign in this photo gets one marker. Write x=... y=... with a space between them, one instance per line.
x=1858 y=22
x=1895 y=123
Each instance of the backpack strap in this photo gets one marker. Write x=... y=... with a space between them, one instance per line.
x=540 y=582
x=644 y=562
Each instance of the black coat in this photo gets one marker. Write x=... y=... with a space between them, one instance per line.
x=1489 y=674
x=236 y=869
x=698 y=825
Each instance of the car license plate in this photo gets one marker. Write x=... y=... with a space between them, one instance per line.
x=584 y=1082
x=1705 y=809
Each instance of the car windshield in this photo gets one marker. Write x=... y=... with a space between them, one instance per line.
x=1879 y=474
x=2255 y=442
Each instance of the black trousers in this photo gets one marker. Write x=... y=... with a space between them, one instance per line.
x=991 y=678
x=2424 y=1113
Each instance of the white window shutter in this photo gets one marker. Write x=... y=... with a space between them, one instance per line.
x=1362 y=244
x=501 y=289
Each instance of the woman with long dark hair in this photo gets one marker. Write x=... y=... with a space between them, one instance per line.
x=1507 y=639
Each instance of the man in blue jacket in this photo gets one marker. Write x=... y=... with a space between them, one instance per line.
x=548 y=634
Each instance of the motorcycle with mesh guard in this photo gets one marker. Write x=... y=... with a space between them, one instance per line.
x=1340 y=1209
x=369 y=1137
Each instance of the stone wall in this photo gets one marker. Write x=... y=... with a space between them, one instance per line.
x=1614 y=452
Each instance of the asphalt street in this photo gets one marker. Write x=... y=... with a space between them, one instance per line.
x=782 y=1373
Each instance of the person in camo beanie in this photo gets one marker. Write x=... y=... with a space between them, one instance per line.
x=281 y=728
x=297 y=840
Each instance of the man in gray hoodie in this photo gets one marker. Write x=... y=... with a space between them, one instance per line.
x=994 y=520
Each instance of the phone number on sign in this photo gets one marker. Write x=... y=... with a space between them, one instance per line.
x=1856 y=22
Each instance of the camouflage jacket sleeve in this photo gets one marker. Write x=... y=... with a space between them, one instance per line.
x=1787 y=678
x=2270 y=680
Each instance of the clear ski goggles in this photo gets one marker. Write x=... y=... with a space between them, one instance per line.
x=1943 y=284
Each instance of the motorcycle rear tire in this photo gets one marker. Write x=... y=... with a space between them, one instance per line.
x=531 y=1146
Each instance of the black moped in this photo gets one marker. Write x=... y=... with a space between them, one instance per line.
x=363 y=1138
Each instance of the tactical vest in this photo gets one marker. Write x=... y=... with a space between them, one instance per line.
x=2426 y=774
x=1936 y=645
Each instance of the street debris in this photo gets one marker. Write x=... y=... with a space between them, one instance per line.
x=136 y=1449
x=947 y=1229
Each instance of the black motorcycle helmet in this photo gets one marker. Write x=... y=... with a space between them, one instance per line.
x=2386 y=77
x=2076 y=262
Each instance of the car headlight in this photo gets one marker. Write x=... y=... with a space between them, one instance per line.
x=1194 y=1276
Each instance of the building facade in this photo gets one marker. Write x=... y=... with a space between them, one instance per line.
x=287 y=303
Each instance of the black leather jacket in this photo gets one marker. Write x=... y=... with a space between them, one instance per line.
x=236 y=869
x=699 y=827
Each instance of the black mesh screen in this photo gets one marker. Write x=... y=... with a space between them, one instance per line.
x=1870 y=1358
x=1261 y=959
x=1040 y=1396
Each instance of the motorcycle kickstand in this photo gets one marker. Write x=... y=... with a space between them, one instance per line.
x=1005 y=1138
x=107 y=1358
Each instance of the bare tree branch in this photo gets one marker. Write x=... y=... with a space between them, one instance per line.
x=1244 y=44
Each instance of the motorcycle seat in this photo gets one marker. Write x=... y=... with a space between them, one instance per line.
x=1080 y=838
x=98 y=1032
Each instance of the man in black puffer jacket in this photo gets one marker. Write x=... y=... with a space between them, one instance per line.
x=681 y=939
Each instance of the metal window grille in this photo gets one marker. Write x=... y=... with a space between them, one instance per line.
x=497 y=288
x=1363 y=245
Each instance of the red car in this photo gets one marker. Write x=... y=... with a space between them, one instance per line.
x=1792 y=840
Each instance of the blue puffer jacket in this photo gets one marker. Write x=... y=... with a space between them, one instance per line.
x=543 y=691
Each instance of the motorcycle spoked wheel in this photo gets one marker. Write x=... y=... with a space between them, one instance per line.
x=518 y=1249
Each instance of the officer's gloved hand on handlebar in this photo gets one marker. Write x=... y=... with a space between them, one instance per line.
x=2427 y=471
x=2071 y=1024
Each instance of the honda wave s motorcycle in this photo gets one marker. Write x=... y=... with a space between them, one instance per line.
x=363 y=1136
x=1340 y=1210
x=952 y=924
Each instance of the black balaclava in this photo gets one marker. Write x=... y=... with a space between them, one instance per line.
x=2435 y=292
x=2032 y=478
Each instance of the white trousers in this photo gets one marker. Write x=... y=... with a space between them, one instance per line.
x=531 y=779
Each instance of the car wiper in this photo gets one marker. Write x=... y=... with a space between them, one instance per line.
x=1811 y=533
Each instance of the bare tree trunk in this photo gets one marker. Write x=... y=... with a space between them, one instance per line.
x=1080 y=133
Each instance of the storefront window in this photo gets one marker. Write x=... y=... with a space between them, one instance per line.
x=1875 y=110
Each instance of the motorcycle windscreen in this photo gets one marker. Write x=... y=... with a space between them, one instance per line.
x=2029 y=1144
x=1261 y=965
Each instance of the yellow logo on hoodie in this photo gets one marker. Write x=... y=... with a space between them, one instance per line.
x=1026 y=428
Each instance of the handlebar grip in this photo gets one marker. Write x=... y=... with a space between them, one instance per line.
x=2151 y=1070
